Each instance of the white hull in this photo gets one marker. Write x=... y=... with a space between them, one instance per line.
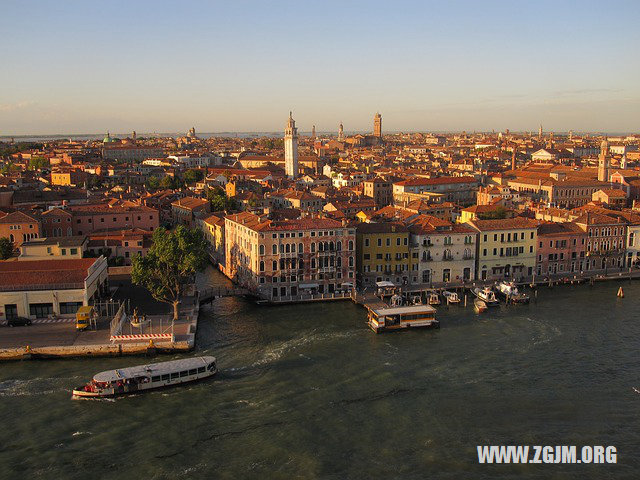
x=142 y=378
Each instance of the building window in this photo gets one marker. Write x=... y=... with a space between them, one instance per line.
x=69 y=307
x=40 y=310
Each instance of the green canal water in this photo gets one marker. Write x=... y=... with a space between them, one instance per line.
x=308 y=392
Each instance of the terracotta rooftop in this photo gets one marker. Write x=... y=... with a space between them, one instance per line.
x=36 y=274
x=435 y=181
x=504 y=223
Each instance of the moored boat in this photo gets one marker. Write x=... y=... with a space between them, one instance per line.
x=451 y=297
x=487 y=295
x=509 y=290
x=479 y=305
x=141 y=378
x=433 y=298
x=396 y=318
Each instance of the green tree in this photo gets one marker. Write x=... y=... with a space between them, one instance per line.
x=219 y=200
x=168 y=182
x=497 y=214
x=168 y=268
x=192 y=176
x=153 y=183
x=6 y=248
x=38 y=163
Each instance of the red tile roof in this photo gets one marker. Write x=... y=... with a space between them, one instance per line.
x=38 y=273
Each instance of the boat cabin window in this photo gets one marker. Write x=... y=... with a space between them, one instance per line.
x=184 y=373
x=211 y=366
x=193 y=372
x=165 y=377
x=201 y=370
x=155 y=379
x=175 y=376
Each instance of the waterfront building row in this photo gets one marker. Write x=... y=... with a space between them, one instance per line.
x=280 y=259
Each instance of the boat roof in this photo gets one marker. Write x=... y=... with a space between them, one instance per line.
x=161 y=368
x=404 y=310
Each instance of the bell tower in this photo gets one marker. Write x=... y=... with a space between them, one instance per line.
x=291 y=148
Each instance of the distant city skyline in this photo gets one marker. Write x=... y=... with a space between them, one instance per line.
x=80 y=68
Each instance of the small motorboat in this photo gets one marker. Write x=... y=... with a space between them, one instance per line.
x=479 y=305
x=451 y=297
x=487 y=295
x=509 y=290
x=415 y=300
x=433 y=298
x=396 y=300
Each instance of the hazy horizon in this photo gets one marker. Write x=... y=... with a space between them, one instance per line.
x=241 y=66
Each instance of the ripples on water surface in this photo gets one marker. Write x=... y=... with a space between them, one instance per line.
x=309 y=392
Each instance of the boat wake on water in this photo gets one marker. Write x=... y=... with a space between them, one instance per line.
x=636 y=390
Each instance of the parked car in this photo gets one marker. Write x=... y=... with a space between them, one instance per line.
x=18 y=322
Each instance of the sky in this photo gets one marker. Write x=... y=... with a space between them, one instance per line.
x=158 y=66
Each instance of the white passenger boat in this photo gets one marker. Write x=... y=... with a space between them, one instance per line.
x=451 y=297
x=141 y=378
x=396 y=318
x=509 y=290
x=487 y=295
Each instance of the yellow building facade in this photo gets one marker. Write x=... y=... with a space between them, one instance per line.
x=506 y=248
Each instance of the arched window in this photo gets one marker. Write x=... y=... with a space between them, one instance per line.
x=11 y=238
x=351 y=261
x=320 y=246
x=282 y=264
x=313 y=247
x=313 y=263
x=293 y=248
x=275 y=266
x=339 y=261
x=350 y=244
x=339 y=246
x=274 y=249
x=300 y=248
x=261 y=266
x=261 y=249
x=288 y=248
x=300 y=264
x=331 y=246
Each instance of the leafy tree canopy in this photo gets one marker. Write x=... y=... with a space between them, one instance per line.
x=6 y=248
x=219 y=200
x=169 y=266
